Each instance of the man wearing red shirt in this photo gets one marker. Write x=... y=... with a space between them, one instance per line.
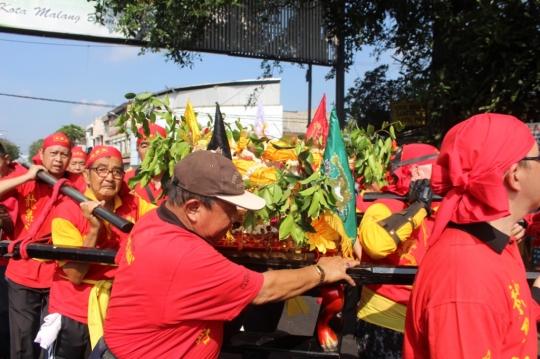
x=29 y=280
x=471 y=298
x=74 y=283
x=152 y=190
x=394 y=232
x=7 y=206
x=78 y=160
x=177 y=309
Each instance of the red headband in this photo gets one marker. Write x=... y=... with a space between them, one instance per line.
x=407 y=156
x=37 y=158
x=78 y=152
x=56 y=139
x=474 y=156
x=100 y=152
x=153 y=130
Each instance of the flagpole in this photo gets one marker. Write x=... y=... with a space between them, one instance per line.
x=309 y=78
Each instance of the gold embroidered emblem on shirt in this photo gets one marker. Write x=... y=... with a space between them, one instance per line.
x=204 y=337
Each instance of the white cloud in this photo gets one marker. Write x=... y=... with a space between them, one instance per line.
x=123 y=53
x=24 y=92
x=88 y=113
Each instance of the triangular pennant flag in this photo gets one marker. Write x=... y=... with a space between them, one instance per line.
x=336 y=166
x=260 y=121
x=191 y=121
x=318 y=128
x=296 y=305
x=219 y=141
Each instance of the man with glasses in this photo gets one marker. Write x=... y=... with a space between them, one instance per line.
x=74 y=283
x=471 y=298
x=29 y=280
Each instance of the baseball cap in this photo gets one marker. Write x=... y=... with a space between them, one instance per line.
x=211 y=174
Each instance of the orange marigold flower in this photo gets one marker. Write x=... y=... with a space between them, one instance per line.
x=324 y=237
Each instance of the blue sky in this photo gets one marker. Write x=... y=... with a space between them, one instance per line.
x=98 y=73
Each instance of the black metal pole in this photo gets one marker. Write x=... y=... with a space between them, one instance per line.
x=121 y=223
x=373 y=196
x=340 y=81
x=362 y=274
x=310 y=85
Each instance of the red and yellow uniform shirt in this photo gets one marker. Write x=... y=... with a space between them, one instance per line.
x=172 y=293
x=380 y=304
x=32 y=196
x=69 y=228
x=143 y=191
x=469 y=301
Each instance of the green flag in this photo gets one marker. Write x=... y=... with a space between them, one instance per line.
x=336 y=167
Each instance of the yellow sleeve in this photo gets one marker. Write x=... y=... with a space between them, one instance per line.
x=65 y=233
x=375 y=240
x=145 y=207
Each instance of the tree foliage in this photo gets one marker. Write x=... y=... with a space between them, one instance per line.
x=459 y=57
x=73 y=132
x=11 y=149
x=368 y=102
x=34 y=148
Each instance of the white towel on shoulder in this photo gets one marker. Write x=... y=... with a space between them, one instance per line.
x=49 y=330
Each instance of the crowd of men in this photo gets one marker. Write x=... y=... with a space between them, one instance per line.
x=470 y=298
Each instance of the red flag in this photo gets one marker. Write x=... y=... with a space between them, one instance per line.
x=319 y=125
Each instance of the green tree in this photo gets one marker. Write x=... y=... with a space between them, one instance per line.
x=459 y=57
x=368 y=102
x=34 y=148
x=73 y=132
x=11 y=149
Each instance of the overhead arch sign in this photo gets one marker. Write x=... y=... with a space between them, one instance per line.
x=60 y=18
x=292 y=34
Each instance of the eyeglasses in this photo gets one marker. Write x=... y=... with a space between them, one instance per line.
x=537 y=158
x=104 y=172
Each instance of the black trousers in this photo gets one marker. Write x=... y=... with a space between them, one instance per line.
x=4 y=315
x=27 y=308
x=73 y=341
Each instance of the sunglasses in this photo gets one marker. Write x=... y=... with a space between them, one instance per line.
x=537 y=158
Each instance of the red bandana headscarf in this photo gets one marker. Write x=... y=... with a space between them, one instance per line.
x=78 y=152
x=56 y=139
x=37 y=158
x=100 y=152
x=401 y=162
x=469 y=173
x=153 y=130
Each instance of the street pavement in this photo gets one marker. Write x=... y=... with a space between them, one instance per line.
x=301 y=324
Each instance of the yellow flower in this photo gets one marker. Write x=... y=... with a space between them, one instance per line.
x=240 y=145
x=273 y=154
x=317 y=159
x=324 y=237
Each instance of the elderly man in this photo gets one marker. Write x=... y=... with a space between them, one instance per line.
x=177 y=309
x=393 y=232
x=29 y=280
x=471 y=298
x=74 y=283
x=152 y=191
x=78 y=160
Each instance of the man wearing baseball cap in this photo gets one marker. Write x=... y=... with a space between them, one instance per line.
x=152 y=191
x=175 y=288
x=29 y=280
x=394 y=232
x=78 y=160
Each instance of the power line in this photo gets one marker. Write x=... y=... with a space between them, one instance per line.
x=63 y=101
x=53 y=44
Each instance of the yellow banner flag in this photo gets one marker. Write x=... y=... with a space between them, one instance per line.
x=191 y=121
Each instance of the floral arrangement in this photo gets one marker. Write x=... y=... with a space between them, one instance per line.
x=300 y=199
